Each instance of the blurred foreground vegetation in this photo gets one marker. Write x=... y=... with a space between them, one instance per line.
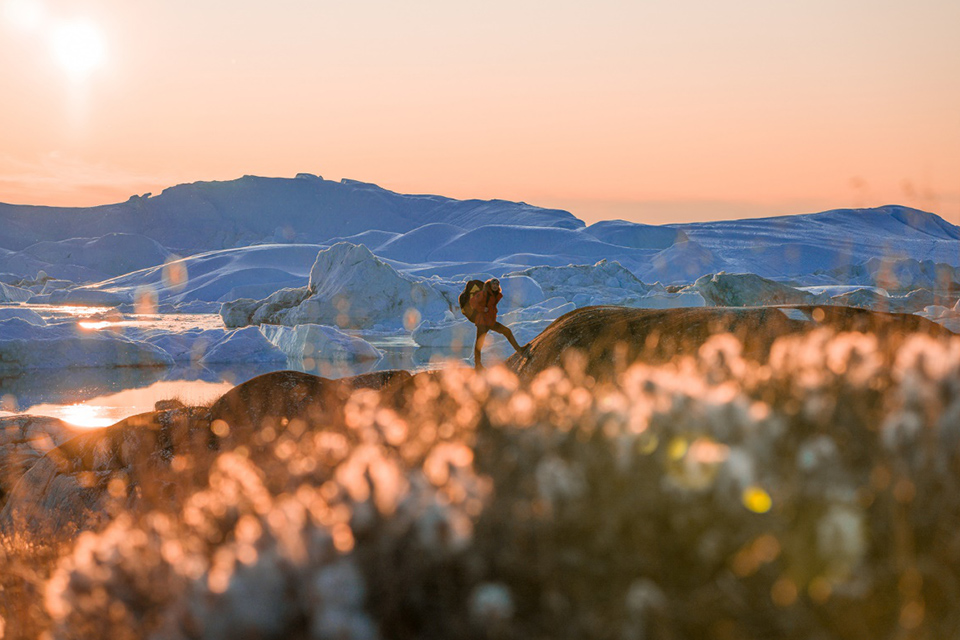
x=812 y=495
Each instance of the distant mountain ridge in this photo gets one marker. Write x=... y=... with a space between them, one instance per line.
x=203 y=216
x=435 y=235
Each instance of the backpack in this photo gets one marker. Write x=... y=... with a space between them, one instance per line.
x=464 y=300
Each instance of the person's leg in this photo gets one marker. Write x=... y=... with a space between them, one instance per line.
x=478 y=345
x=505 y=331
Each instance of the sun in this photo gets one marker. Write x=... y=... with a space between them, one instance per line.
x=78 y=47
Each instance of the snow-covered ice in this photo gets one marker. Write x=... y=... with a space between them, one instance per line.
x=24 y=345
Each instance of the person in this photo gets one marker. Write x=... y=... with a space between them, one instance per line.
x=483 y=305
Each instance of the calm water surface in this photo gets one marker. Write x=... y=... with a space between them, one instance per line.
x=97 y=397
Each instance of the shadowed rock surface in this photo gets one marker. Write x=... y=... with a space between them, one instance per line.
x=23 y=441
x=287 y=395
x=610 y=338
x=65 y=490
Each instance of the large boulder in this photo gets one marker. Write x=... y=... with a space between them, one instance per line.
x=604 y=340
x=24 y=439
x=277 y=398
x=66 y=491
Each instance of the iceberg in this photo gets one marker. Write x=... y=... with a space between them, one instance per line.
x=348 y=287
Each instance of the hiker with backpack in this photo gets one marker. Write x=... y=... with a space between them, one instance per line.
x=479 y=304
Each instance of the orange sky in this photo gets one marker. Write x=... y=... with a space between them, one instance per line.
x=653 y=111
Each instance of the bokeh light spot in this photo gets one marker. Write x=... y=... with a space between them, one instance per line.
x=757 y=500
x=8 y=402
x=174 y=274
x=145 y=301
x=411 y=318
x=784 y=592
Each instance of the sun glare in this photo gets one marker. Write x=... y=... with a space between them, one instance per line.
x=78 y=47
x=23 y=14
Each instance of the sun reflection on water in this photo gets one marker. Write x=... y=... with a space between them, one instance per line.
x=94 y=325
x=106 y=410
x=86 y=415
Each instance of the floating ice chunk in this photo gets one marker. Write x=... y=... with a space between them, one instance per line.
x=244 y=345
x=29 y=315
x=187 y=346
x=24 y=345
x=238 y=313
x=10 y=293
x=574 y=278
x=319 y=341
x=944 y=316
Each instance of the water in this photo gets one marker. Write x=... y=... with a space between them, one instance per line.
x=98 y=397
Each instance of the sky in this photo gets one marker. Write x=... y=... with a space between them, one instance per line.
x=644 y=110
